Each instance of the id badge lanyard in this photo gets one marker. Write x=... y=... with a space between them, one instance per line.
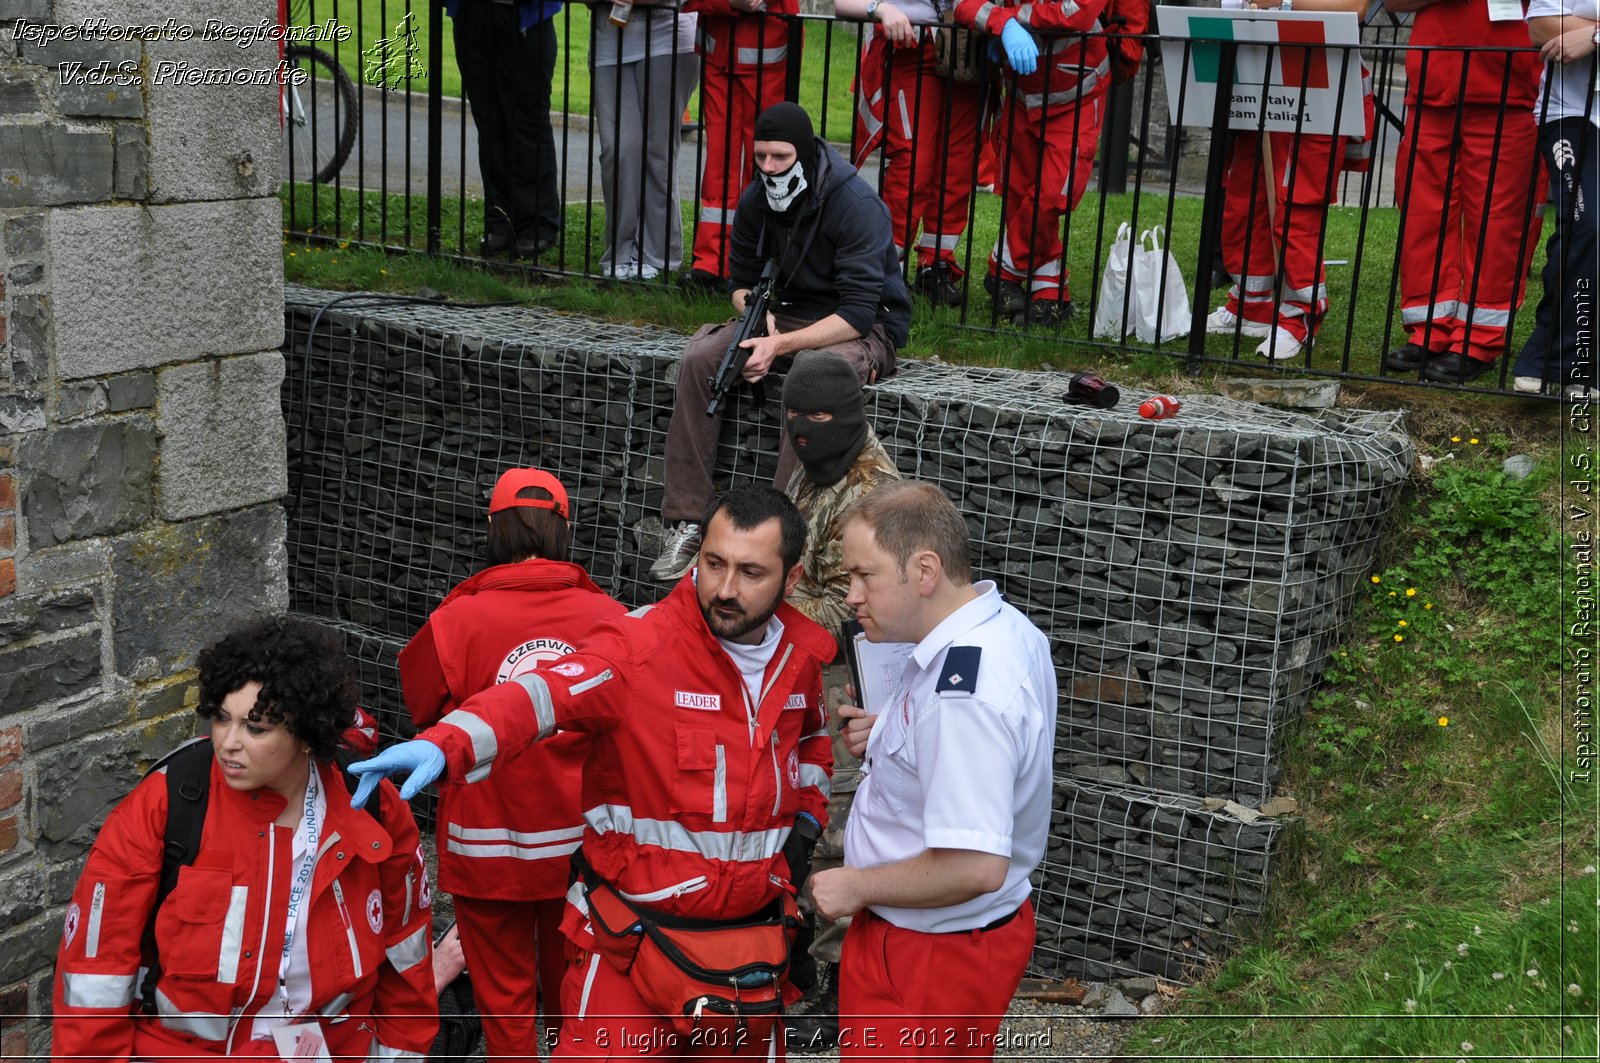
x=299 y=887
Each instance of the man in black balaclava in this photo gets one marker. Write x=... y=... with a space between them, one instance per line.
x=837 y=287
x=825 y=419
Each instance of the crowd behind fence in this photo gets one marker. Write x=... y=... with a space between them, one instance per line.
x=413 y=181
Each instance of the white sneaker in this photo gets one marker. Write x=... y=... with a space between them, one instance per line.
x=1528 y=385
x=1225 y=321
x=678 y=551
x=1280 y=346
x=648 y=272
x=622 y=271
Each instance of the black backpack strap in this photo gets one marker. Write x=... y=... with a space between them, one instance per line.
x=188 y=771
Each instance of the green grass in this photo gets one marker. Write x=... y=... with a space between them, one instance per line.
x=1436 y=901
x=825 y=74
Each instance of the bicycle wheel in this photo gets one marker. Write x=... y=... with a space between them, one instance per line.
x=320 y=115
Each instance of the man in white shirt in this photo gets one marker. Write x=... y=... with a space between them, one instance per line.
x=954 y=805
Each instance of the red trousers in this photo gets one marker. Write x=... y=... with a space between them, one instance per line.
x=730 y=103
x=1303 y=183
x=909 y=995
x=1468 y=242
x=1047 y=159
x=606 y=1019
x=517 y=956
x=930 y=130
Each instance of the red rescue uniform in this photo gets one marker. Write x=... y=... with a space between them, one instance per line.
x=219 y=934
x=505 y=847
x=743 y=66
x=1468 y=178
x=1048 y=130
x=689 y=792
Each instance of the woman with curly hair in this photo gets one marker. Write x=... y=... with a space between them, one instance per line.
x=298 y=922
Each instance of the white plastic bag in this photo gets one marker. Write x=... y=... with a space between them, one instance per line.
x=1161 y=294
x=1110 y=320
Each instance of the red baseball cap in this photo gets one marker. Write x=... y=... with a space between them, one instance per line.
x=513 y=481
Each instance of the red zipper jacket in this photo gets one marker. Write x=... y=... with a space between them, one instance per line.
x=741 y=41
x=1465 y=24
x=495 y=843
x=689 y=793
x=1071 y=68
x=219 y=934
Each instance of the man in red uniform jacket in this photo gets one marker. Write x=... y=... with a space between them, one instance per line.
x=1050 y=128
x=744 y=54
x=506 y=860
x=709 y=757
x=1467 y=174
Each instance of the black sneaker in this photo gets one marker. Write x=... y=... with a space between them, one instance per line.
x=531 y=247
x=494 y=245
x=1452 y=367
x=700 y=280
x=1407 y=359
x=938 y=283
x=1008 y=297
x=1046 y=313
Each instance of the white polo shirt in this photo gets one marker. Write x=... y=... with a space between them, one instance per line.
x=962 y=759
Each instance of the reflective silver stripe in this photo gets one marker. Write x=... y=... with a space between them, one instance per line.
x=708 y=43
x=544 y=710
x=1042 y=283
x=515 y=852
x=588 y=984
x=982 y=19
x=741 y=846
x=1259 y=282
x=91 y=936
x=336 y=1005
x=1068 y=9
x=783 y=662
x=589 y=684
x=643 y=609
x=905 y=114
x=1305 y=295
x=484 y=744
x=719 y=786
x=1415 y=315
x=411 y=882
x=1086 y=84
x=1483 y=315
x=410 y=951
x=677 y=889
x=762 y=56
x=97 y=990
x=815 y=775
x=380 y=1051
x=202 y=1024
x=943 y=243
x=505 y=834
x=821 y=732
x=864 y=112
x=715 y=216
x=578 y=897
x=232 y=936
x=1024 y=15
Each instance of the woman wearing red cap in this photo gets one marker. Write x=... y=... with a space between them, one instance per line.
x=504 y=844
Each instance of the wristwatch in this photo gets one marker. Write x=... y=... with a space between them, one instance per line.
x=872 y=6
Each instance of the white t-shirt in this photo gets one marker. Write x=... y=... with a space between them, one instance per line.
x=1569 y=92
x=293 y=997
x=652 y=32
x=752 y=663
x=961 y=759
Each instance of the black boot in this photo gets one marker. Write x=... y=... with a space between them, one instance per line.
x=816 y=1027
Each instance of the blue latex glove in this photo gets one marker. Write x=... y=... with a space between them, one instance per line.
x=1021 y=51
x=422 y=759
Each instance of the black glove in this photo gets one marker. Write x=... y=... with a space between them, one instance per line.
x=797 y=847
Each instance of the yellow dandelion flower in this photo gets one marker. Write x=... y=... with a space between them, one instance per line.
x=1404 y=624
x=1399 y=638
x=1444 y=721
x=383 y=271
x=1377 y=579
x=1411 y=592
x=1455 y=439
x=1473 y=441
x=1427 y=605
x=291 y=254
x=1391 y=594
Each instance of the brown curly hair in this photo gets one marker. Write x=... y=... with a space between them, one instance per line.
x=307 y=682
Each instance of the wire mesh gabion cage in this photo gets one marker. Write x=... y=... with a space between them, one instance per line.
x=1191 y=574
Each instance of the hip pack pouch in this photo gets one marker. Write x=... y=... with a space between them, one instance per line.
x=721 y=982
x=960 y=54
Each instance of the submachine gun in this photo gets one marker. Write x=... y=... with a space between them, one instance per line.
x=752 y=325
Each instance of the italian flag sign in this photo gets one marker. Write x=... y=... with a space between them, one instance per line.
x=1289 y=65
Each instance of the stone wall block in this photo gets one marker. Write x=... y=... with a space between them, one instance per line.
x=53 y=164
x=222 y=435
x=30 y=334
x=89 y=479
x=132 y=175
x=33 y=10
x=24 y=234
x=178 y=587
x=44 y=671
x=19 y=93
x=133 y=391
x=139 y=288
x=210 y=142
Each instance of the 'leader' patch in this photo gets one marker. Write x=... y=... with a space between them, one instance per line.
x=960 y=672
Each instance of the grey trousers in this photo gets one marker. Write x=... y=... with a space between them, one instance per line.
x=637 y=110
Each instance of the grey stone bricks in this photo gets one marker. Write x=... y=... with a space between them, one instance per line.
x=34 y=10
x=50 y=164
x=24 y=233
x=34 y=673
x=87 y=479
x=133 y=391
x=135 y=289
x=222 y=437
x=199 y=132
x=131 y=179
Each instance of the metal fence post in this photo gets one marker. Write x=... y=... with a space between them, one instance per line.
x=1211 y=211
x=435 y=122
x=1116 y=137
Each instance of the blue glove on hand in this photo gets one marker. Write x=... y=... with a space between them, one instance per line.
x=422 y=759
x=1021 y=51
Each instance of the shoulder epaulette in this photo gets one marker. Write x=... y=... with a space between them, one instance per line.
x=960 y=671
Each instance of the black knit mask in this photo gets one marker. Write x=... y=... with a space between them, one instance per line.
x=789 y=123
x=823 y=382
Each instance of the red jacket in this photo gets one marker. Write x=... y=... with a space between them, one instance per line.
x=495 y=843
x=1070 y=67
x=687 y=801
x=1465 y=24
x=220 y=932
x=728 y=39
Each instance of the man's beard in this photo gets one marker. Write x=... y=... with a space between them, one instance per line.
x=733 y=627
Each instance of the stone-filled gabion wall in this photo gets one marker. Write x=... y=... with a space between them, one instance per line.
x=1191 y=573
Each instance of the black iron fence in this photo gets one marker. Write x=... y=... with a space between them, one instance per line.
x=647 y=150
